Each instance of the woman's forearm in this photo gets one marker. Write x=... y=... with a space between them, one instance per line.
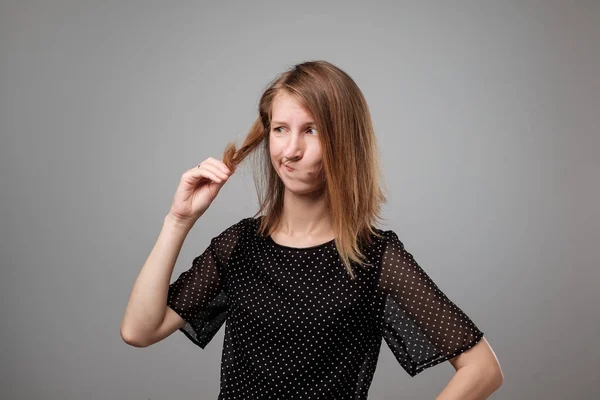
x=146 y=308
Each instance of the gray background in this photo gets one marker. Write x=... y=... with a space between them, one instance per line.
x=486 y=114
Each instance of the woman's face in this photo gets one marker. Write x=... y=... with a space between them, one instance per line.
x=294 y=146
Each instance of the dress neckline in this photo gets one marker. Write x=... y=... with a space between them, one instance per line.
x=316 y=246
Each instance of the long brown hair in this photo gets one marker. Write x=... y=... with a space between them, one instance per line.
x=349 y=150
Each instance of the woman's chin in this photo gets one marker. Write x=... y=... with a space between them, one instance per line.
x=303 y=189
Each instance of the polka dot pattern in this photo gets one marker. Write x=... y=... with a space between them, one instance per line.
x=422 y=326
x=297 y=326
x=198 y=295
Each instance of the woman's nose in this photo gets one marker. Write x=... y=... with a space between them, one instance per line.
x=294 y=148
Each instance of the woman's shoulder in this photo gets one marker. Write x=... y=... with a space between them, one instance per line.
x=233 y=235
x=382 y=239
x=244 y=227
x=381 y=235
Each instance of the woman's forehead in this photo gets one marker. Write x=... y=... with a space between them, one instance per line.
x=286 y=108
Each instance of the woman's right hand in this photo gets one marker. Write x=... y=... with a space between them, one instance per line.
x=197 y=189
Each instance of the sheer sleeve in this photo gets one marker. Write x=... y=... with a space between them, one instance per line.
x=421 y=325
x=198 y=295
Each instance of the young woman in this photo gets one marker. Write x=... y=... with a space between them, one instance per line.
x=308 y=287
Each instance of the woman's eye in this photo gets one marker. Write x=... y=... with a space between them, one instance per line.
x=281 y=127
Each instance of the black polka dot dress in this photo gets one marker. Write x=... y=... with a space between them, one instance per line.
x=297 y=326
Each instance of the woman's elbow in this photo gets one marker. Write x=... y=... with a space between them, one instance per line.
x=133 y=339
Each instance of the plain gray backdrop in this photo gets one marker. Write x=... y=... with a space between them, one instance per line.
x=487 y=119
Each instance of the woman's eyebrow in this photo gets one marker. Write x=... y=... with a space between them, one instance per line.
x=284 y=123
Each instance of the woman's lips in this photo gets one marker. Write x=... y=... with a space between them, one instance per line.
x=288 y=168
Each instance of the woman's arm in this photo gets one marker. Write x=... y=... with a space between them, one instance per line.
x=478 y=374
x=145 y=319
